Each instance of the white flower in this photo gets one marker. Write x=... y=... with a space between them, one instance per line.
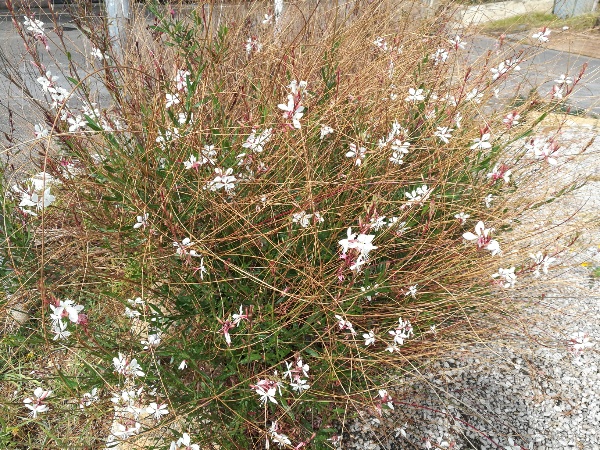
x=377 y=222
x=399 y=149
x=96 y=53
x=153 y=340
x=488 y=200
x=183 y=248
x=182 y=365
x=564 y=79
x=483 y=238
x=579 y=343
x=141 y=221
x=481 y=142
x=223 y=180
x=40 y=131
x=325 y=130
x=557 y=91
x=344 y=324
x=181 y=79
x=280 y=439
x=34 y=26
x=392 y=348
x=172 y=99
x=66 y=308
x=418 y=195
x=543 y=150
x=440 y=56
x=126 y=367
x=458 y=119
x=457 y=43
x=302 y=218
x=474 y=96
x=360 y=242
x=266 y=390
x=381 y=44
x=542 y=263
x=356 y=152
x=512 y=119
x=238 y=317
x=60 y=329
x=185 y=441
x=386 y=398
x=157 y=411
x=462 y=217
x=257 y=143
x=300 y=385
x=542 y=35
x=206 y=156
x=509 y=276
x=415 y=95
x=297 y=87
x=76 y=123
x=399 y=146
x=369 y=338
x=296 y=369
x=444 y=134
x=132 y=313
x=252 y=45
x=123 y=432
x=268 y=19
x=35 y=200
x=412 y=291
x=88 y=398
x=292 y=110
x=398 y=336
x=35 y=404
x=498 y=72
x=168 y=136
x=500 y=172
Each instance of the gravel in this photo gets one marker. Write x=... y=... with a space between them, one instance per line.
x=529 y=388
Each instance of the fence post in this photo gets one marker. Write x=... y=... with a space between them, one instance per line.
x=117 y=12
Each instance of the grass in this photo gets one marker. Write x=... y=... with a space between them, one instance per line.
x=534 y=20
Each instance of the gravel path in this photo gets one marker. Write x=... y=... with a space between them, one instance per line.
x=529 y=388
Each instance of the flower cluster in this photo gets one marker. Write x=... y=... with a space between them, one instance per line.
x=403 y=331
x=65 y=309
x=417 y=196
x=224 y=179
x=207 y=155
x=543 y=149
x=303 y=219
x=356 y=248
x=35 y=193
x=295 y=371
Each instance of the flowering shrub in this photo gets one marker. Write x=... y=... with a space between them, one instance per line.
x=257 y=229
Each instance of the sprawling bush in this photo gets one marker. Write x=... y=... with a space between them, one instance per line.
x=244 y=231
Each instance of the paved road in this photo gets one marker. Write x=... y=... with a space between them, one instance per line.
x=548 y=65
